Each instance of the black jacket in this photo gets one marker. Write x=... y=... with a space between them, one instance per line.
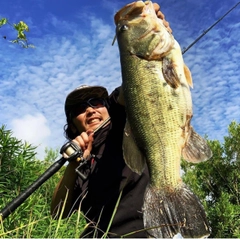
x=110 y=179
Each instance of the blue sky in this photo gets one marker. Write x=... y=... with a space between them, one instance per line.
x=73 y=47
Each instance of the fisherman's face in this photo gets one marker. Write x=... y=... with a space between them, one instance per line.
x=90 y=118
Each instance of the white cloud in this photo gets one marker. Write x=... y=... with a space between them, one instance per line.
x=33 y=129
x=38 y=84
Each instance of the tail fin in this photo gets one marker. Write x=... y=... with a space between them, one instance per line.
x=171 y=213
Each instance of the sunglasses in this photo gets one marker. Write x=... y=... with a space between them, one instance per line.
x=81 y=108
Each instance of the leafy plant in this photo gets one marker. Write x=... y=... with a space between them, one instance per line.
x=19 y=168
x=217 y=183
x=21 y=27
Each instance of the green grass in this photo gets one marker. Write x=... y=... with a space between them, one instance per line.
x=46 y=227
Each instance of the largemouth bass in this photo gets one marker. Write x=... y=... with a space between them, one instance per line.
x=156 y=90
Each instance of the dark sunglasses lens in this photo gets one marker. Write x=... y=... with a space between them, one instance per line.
x=96 y=102
x=79 y=109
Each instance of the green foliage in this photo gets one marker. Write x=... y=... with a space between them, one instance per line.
x=21 y=28
x=3 y=21
x=19 y=168
x=217 y=183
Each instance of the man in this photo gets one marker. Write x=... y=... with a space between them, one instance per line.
x=108 y=178
x=111 y=196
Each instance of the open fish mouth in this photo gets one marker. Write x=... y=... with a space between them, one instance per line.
x=142 y=15
x=134 y=11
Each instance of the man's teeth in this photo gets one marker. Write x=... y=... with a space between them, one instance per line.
x=93 y=121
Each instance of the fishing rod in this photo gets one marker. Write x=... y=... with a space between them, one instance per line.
x=71 y=151
x=213 y=25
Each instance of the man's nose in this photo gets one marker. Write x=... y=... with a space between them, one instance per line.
x=90 y=110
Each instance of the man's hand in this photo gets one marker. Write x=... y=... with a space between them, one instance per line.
x=85 y=140
x=161 y=16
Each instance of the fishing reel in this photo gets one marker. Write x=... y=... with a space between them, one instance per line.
x=71 y=151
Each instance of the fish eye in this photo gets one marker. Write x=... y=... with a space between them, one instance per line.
x=123 y=28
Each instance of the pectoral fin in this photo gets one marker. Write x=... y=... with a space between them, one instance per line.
x=188 y=75
x=169 y=73
x=196 y=149
x=131 y=153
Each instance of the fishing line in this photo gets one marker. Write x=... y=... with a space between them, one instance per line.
x=206 y=31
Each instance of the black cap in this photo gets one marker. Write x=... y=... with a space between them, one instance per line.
x=83 y=93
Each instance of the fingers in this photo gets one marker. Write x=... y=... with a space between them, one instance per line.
x=166 y=24
x=160 y=15
x=88 y=150
x=156 y=7
x=82 y=140
x=85 y=140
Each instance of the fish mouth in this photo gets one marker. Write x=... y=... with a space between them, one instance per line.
x=139 y=20
x=129 y=11
x=135 y=12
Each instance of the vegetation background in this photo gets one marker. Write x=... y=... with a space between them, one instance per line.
x=216 y=182
x=18 y=170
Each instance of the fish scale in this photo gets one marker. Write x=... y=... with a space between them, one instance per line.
x=155 y=110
